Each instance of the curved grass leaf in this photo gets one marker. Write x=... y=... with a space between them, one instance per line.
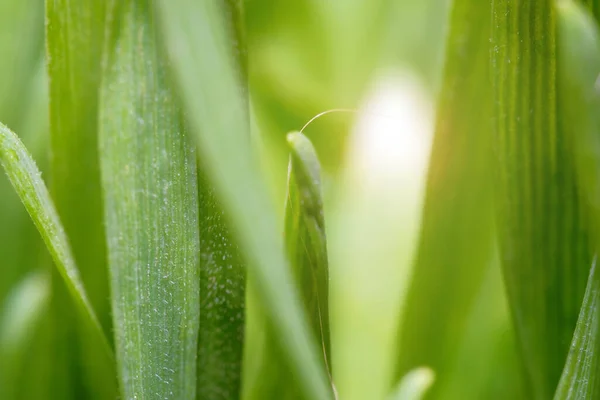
x=20 y=83
x=27 y=182
x=214 y=98
x=456 y=237
x=373 y=234
x=148 y=170
x=543 y=239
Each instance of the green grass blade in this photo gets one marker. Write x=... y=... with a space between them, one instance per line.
x=373 y=235
x=579 y=68
x=305 y=237
x=543 y=240
x=222 y=301
x=582 y=369
x=74 y=44
x=456 y=238
x=74 y=33
x=213 y=96
x=306 y=247
x=151 y=212
x=27 y=182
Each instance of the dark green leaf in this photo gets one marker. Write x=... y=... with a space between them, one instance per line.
x=222 y=301
x=542 y=235
x=579 y=69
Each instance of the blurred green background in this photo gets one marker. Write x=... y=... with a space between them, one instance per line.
x=305 y=57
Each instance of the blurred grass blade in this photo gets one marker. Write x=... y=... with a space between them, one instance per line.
x=201 y=54
x=543 y=239
x=306 y=247
x=74 y=33
x=456 y=238
x=21 y=44
x=151 y=212
x=579 y=57
x=305 y=237
x=414 y=385
x=26 y=179
x=582 y=369
x=222 y=301
x=21 y=317
x=374 y=232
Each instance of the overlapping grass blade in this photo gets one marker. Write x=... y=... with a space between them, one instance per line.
x=201 y=53
x=221 y=340
x=542 y=236
x=149 y=181
x=222 y=301
x=74 y=33
x=456 y=237
x=26 y=180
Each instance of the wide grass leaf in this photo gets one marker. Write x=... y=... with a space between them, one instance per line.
x=148 y=170
x=543 y=239
x=210 y=83
x=27 y=182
